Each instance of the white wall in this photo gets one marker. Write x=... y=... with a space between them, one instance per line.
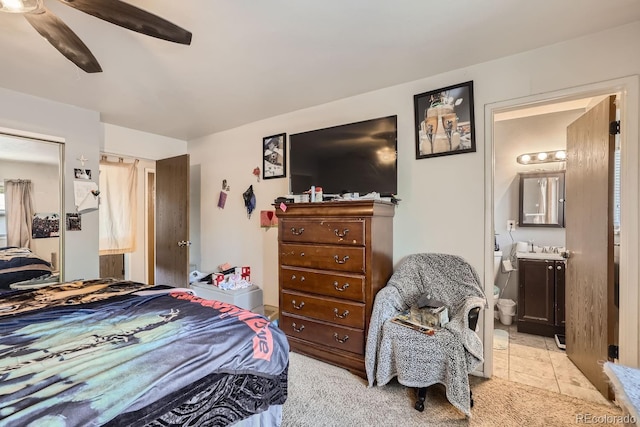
x=513 y=137
x=442 y=207
x=137 y=144
x=81 y=132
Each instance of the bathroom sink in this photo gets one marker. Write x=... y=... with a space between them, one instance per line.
x=540 y=255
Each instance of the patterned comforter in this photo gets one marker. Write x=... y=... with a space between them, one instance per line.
x=18 y=264
x=85 y=353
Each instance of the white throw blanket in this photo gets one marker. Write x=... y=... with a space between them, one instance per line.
x=417 y=359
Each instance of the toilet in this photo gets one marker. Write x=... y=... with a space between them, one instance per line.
x=497 y=260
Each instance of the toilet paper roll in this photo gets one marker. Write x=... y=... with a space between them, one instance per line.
x=522 y=247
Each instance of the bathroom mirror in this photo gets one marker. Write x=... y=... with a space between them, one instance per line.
x=31 y=214
x=542 y=199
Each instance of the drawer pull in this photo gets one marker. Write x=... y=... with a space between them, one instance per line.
x=339 y=288
x=297 y=307
x=341 y=234
x=344 y=259
x=340 y=340
x=296 y=329
x=297 y=232
x=301 y=253
x=340 y=316
x=302 y=278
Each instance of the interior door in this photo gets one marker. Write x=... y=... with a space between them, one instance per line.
x=172 y=221
x=590 y=313
x=112 y=266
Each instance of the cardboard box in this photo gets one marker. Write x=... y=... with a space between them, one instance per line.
x=248 y=298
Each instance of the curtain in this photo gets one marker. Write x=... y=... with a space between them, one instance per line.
x=19 y=212
x=117 y=212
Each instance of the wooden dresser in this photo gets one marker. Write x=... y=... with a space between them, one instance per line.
x=334 y=257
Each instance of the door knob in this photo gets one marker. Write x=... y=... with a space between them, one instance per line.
x=182 y=243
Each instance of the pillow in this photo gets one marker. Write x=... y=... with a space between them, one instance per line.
x=20 y=264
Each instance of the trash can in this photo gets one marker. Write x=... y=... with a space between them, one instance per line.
x=506 y=310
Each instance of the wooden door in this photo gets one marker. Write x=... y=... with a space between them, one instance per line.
x=590 y=319
x=560 y=294
x=172 y=221
x=112 y=266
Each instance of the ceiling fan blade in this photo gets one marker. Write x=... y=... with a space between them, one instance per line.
x=62 y=38
x=125 y=15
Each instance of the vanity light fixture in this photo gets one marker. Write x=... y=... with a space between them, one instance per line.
x=542 y=157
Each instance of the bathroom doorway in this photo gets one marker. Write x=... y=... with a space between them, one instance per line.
x=540 y=109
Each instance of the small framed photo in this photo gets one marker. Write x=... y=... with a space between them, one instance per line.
x=45 y=225
x=82 y=173
x=74 y=222
x=444 y=122
x=274 y=156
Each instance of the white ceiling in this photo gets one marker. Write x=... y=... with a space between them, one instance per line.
x=251 y=60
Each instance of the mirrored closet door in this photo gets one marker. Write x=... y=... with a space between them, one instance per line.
x=31 y=213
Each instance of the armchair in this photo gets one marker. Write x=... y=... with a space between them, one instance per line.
x=420 y=360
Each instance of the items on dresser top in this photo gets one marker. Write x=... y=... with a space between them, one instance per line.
x=334 y=257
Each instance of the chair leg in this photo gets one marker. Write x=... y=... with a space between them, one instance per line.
x=470 y=399
x=422 y=394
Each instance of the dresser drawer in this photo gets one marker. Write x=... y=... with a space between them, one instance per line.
x=341 y=337
x=339 y=285
x=332 y=310
x=327 y=231
x=339 y=258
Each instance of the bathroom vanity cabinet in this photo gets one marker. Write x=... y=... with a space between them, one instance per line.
x=541 y=296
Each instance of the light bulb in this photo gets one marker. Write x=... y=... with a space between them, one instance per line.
x=525 y=158
x=19 y=6
x=561 y=155
x=542 y=156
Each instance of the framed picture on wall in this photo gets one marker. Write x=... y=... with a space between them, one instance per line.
x=444 y=122
x=274 y=156
x=45 y=225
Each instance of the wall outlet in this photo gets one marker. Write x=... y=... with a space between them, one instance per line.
x=511 y=225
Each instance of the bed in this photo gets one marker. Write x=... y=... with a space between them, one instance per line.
x=106 y=352
x=20 y=265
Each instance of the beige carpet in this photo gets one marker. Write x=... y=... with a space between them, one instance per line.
x=324 y=395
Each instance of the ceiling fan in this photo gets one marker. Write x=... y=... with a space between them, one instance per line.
x=114 y=11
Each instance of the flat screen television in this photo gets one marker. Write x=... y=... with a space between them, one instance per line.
x=353 y=158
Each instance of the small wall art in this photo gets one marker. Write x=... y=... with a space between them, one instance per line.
x=444 y=122
x=268 y=219
x=274 y=156
x=45 y=225
x=82 y=173
x=74 y=222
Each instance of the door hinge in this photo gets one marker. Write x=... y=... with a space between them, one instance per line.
x=613 y=351
x=614 y=127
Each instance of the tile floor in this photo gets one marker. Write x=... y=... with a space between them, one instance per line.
x=537 y=361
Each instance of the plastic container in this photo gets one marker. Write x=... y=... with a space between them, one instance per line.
x=248 y=298
x=506 y=310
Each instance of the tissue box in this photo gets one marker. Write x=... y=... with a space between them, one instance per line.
x=248 y=298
